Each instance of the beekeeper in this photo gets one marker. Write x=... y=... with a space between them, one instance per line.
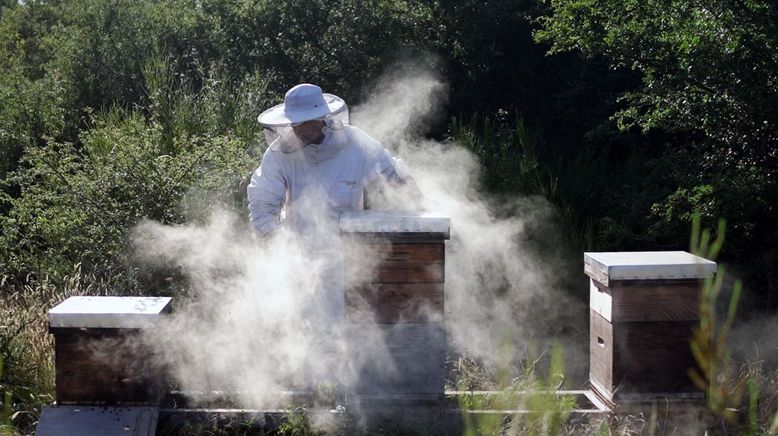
x=317 y=164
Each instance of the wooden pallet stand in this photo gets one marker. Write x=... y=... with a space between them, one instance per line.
x=444 y=416
x=643 y=308
x=98 y=420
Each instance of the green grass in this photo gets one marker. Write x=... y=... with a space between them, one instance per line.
x=6 y=427
x=546 y=411
x=732 y=390
x=27 y=348
x=238 y=428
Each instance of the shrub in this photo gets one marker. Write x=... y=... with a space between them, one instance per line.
x=79 y=201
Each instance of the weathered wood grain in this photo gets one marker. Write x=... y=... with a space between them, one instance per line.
x=398 y=262
x=597 y=274
x=656 y=301
x=653 y=356
x=104 y=366
x=639 y=357
x=412 y=237
x=395 y=303
x=396 y=310
x=418 y=252
x=601 y=353
x=402 y=359
x=409 y=272
x=674 y=300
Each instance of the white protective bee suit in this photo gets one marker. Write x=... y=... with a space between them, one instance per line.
x=305 y=186
x=318 y=179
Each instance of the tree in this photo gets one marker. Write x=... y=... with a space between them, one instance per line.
x=709 y=74
x=707 y=67
x=178 y=158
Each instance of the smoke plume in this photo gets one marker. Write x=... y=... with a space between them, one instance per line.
x=498 y=288
x=256 y=324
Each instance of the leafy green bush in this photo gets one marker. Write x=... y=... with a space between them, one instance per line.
x=709 y=76
x=31 y=108
x=508 y=154
x=78 y=202
x=705 y=67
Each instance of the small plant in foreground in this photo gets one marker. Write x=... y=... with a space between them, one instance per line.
x=716 y=374
x=296 y=424
x=538 y=407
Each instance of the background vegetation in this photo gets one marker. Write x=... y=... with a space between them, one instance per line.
x=630 y=116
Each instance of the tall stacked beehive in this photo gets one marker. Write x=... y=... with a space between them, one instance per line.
x=643 y=309
x=400 y=300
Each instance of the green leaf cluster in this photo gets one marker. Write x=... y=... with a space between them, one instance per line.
x=178 y=157
x=708 y=78
x=709 y=67
x=527 y=404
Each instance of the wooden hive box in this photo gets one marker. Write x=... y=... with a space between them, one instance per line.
x=643 y=308
x=403 y=297
x=100 y=355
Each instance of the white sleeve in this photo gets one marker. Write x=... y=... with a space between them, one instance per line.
x=383 y=165
x=266 y=194
x=391 y=168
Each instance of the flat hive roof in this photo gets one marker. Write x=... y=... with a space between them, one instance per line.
x=394 y=221
x=646 y=265
x=108 y=312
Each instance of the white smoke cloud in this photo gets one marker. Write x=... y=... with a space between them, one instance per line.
x=402 y=104
x=256 y=323
x=496 y=287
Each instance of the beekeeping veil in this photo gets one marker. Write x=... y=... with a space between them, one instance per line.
x=303 y=102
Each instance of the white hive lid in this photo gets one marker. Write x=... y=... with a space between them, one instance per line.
x=108 y=312
x=646 y=265
x=393 y=221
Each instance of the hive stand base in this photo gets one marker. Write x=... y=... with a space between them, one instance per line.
x=105 y=421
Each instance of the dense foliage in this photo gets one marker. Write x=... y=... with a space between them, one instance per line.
x=709 y=75
x=709 y=67
x=102 y=135
x=630 y=116
x=94 y=90
x=670 y=110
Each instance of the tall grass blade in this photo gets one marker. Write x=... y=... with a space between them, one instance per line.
x=715 y=248
x=694 y=244
x=753 y=407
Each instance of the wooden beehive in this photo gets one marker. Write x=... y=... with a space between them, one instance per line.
x=100 y=355
x=402 y=297
x=643 y=308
